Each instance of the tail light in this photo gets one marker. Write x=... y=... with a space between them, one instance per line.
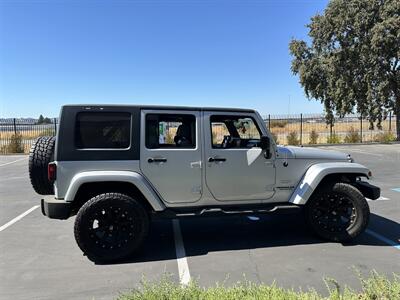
x=51 y=171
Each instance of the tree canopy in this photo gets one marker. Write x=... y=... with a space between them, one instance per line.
x=43 y=120
x=352 y=62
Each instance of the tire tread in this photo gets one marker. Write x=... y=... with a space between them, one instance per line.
x=40 y=154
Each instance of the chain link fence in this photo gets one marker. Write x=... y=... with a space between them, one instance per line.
x=17 y=135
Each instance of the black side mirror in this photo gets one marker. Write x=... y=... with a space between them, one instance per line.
x=265 y=144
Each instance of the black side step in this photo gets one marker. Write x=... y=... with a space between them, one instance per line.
x=225 y=211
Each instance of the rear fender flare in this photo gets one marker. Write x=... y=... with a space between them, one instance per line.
x=115 y=176
x=317 y=172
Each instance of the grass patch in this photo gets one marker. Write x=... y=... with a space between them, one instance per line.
x=278 y=123
x=375 y=287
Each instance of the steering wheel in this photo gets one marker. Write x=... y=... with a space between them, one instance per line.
x=226 y=142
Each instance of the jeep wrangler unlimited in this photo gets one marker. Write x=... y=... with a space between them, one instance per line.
x=117 y=167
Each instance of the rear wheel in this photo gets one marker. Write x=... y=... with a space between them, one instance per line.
x=40 y=155
x=338 y=212
x=110 y=227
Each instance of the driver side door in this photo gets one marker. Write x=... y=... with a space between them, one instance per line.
x=237 y=169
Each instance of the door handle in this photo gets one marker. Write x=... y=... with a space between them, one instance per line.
x=216 y=159
x=159 y=160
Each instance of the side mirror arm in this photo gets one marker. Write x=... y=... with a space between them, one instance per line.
x=265 y=144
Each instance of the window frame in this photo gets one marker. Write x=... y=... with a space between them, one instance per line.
x=233 y=116
x=65 y=149
x=171 y=114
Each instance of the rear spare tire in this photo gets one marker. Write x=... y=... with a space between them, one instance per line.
x=40 y=155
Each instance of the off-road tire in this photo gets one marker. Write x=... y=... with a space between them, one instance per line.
x=342 y=197
x=122 y=222
x=40 y=154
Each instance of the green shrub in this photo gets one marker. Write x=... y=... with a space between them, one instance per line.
x=15 y=145
x=278 y=123
x=313 y=137
x=293 y=138
x=275 y=137
x=385 y=137
x=373 y=288
x=333 y=139
x=352 y=136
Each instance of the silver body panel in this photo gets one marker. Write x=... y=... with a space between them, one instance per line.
x=187 y=179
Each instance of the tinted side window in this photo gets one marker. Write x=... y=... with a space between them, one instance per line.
x=170 y=131
x=103 y=130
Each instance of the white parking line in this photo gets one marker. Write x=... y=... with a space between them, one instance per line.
x=16 y=219
x=183 y=268
x=379 y=199
x=14 y=161
x=383 y=239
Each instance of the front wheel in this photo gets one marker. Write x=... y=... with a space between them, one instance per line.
x=337 y=212
x=110 y=227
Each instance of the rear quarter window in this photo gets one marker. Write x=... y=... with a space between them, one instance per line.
x=103 y=130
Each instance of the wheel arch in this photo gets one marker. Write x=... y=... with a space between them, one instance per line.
x=321 y=173
x=88 y=184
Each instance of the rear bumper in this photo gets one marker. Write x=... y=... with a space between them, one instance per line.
x=55 y=209
x=368 y=190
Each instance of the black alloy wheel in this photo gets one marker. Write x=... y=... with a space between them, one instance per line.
x=110 y=227
x=337 y=212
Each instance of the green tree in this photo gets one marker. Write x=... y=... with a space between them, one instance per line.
x=353 y=60
x=43 y=120
x=40 y=120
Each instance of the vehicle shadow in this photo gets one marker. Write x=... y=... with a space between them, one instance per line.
x=211 y=234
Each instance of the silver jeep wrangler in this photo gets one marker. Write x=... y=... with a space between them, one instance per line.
x=117 y=167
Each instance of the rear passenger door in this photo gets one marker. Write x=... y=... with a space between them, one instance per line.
x=170 y=156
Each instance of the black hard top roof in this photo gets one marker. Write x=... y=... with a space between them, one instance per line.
x=160 y=107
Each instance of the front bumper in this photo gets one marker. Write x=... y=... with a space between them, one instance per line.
x=368 y=190
x=55 y=209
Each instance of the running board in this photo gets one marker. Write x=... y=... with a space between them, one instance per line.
x=214 y=212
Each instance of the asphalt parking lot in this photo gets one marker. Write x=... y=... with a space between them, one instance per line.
x=39 y=258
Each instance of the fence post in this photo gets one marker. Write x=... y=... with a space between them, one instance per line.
x=15 y=128
x=269 y=122
x=390 y=121
x=301 y=129
x=361 y=135
x=55 y=126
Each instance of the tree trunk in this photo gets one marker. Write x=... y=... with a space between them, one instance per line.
x=397 y=111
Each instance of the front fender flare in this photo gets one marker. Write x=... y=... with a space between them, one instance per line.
x=115 y=176
x=317 y=172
